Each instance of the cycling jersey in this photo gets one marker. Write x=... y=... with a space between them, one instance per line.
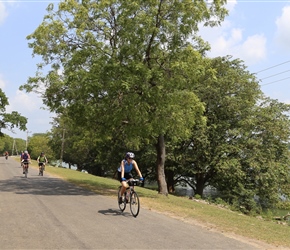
x=42 y=159
x=25 y=156
x=127 y=167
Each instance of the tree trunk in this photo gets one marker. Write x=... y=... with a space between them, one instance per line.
x=199 y=184
x=162 y=186
x=170 y=181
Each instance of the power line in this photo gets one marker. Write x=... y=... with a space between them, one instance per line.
x=275 y=81
x=275 y=74
x=273 y=67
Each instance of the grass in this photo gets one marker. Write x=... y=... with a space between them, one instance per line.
x=209 y=215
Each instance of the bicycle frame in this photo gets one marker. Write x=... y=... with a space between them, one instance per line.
x=41 y=169
x=131 y=196
x=25 y=168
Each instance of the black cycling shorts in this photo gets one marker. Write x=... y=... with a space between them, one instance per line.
x=126 y=175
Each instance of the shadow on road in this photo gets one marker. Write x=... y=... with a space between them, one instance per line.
x=114 y=212
x=37 y=185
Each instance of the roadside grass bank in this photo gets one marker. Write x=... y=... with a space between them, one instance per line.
x=209 y=215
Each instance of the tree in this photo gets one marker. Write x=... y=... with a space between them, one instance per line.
x=242 y=150
x=120 y=67
x=6 y=144
x=262 y=172
x=229 y=93
x=10 y=120
x=20 y=145
x=40 y=143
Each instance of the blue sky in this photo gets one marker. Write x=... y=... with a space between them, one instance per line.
x=258 y=32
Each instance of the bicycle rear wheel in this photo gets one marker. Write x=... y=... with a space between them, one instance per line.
x=134 y=204
x=41 y=171
x=122 y=205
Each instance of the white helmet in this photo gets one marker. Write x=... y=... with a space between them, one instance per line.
x=130 y=155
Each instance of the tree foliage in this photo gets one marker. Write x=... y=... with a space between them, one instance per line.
x=118 y=67
x=10 y=120
x=243 y=148
x=132 y=75
x=40 y=143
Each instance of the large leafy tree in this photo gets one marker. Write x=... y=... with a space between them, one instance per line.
x=259 y=167
x=229 y=93
x=243 y=148
x=74 y=144
x=6 y=144
x=10 y=120
x=116 y=67
x=40 y=143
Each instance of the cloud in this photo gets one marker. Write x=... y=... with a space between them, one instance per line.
x=283 y=28
x=227 y=40
x=24 y=103
x=253 y=49
x=30 y=106
x=230 y=6
x=3 y=12
x=230 y=40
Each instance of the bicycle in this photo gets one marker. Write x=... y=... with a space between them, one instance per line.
x=25 y=168
x=41 y=168
x=130 y=196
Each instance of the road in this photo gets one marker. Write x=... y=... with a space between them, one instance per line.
x=49 y=213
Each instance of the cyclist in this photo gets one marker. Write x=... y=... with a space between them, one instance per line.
x=6 y=155
x=25 y=158
x=42 y=160
x=124 y=171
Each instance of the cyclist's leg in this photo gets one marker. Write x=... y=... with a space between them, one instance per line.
x=128 y=177
x=23 y=166
x=121 y=190
x=39 y=168
x=123 y=183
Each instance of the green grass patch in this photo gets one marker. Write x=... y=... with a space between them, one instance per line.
x=213 y=216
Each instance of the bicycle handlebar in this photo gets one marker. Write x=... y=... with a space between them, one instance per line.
x=133 y=182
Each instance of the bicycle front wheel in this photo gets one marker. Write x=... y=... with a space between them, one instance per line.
x=122 y=205
x=134 y=204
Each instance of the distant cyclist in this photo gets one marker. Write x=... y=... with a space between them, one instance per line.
x=6 y=155
x=25 y=158
x=42 y=160
x=124 y=171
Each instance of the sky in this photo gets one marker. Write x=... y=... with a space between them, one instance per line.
x=257 y=32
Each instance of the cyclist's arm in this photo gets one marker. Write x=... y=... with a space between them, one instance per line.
x=122 y=169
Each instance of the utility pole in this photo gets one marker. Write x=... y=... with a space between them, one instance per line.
x=62 y=146
x=27 y=132
x=13 y=147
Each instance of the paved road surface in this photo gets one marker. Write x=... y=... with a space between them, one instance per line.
x=48 y=213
